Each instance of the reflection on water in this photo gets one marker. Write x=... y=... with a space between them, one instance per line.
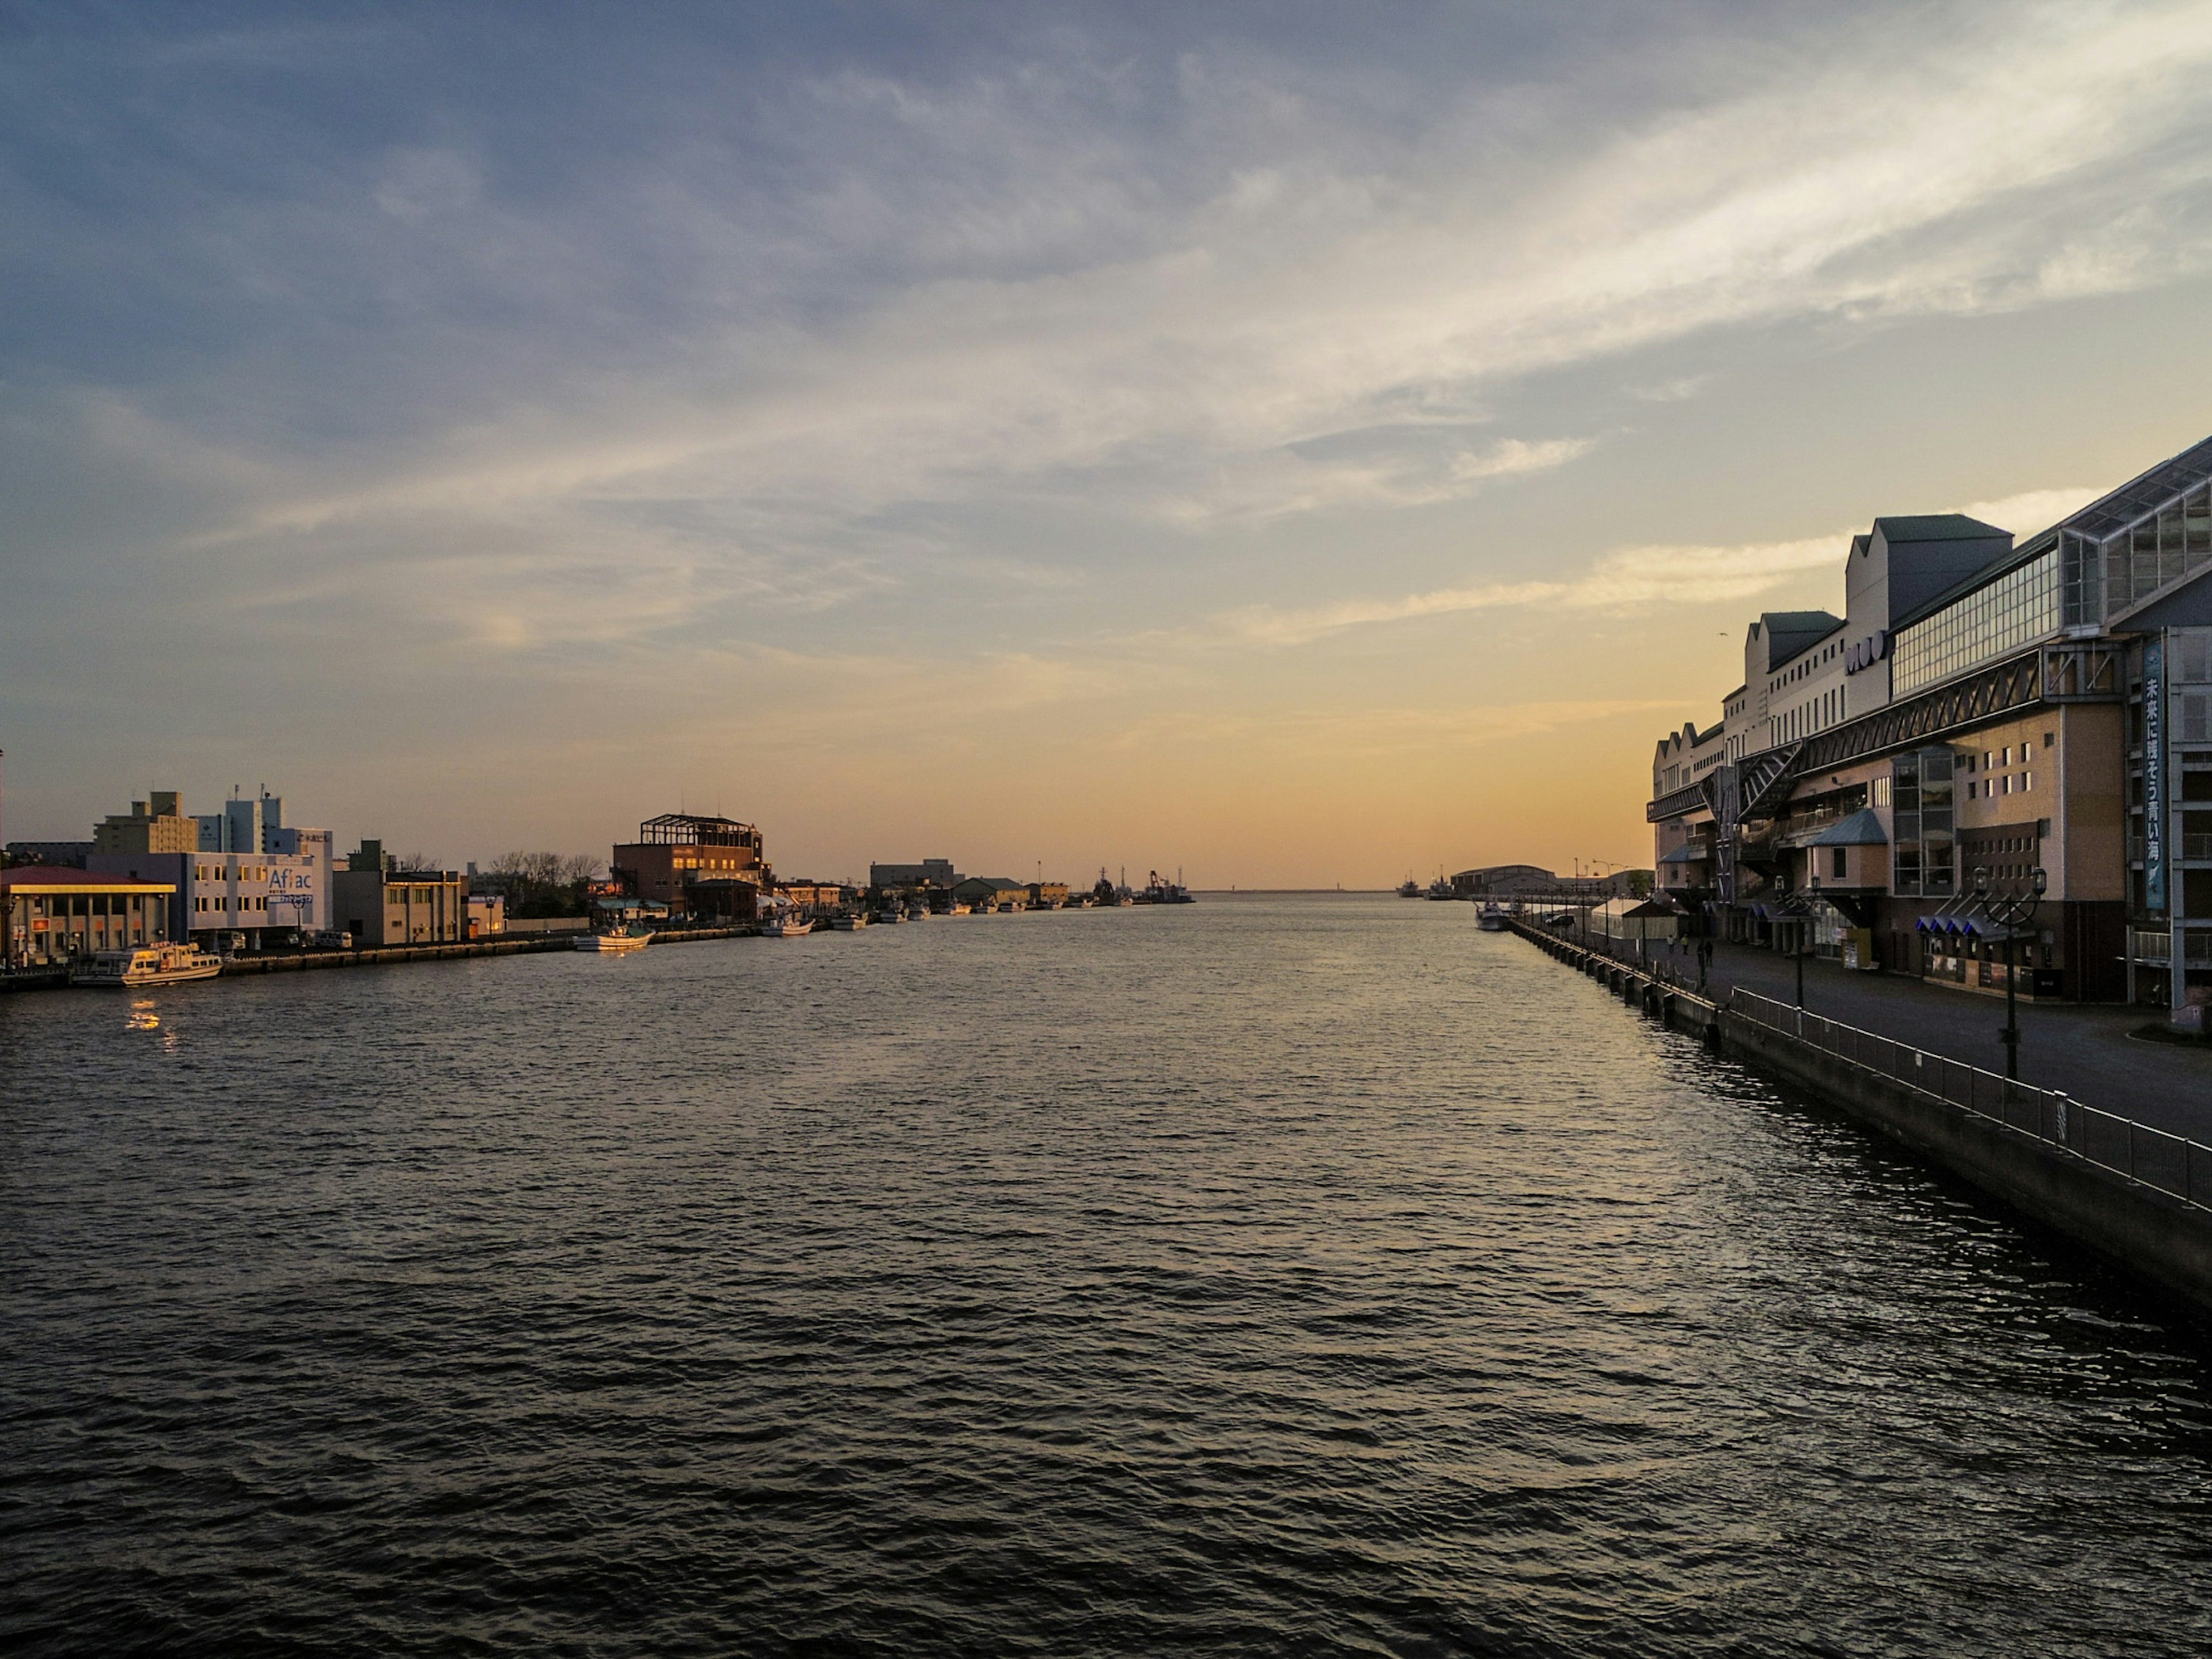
x=1277 y=1273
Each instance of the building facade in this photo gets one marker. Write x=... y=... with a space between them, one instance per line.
x=51 y=916
x=1982 y=710
x=697 y=866
x=377 y=904
x=239 y=870
x=930 y=872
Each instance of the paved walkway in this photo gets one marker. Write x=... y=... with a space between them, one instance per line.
x=2087 y=1052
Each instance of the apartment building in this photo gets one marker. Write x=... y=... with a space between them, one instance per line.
x=1984 y=709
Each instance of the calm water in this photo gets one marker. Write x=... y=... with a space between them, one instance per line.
x=1310 y=1275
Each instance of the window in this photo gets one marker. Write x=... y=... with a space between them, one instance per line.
x=1836 y=863
x=2026 y=782
x=2019 y=607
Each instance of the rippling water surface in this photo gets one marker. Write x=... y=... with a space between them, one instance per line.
x=1308 y=1275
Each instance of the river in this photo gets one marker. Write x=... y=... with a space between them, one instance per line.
x=1307 y=1274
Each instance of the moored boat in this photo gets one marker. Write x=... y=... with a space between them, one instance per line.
x=148 y=965
x=1409 y=887
x=788 y=927
x=1489 y=918
x=620 y=943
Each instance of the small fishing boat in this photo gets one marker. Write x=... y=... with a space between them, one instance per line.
x=148 y=964
x=788 y=927
x=620 y=943
x=1489 y=918
x=847 y=924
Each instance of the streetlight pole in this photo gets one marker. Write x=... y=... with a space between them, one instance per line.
x=2014 y=911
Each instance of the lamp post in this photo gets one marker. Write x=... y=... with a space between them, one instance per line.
x=2013 y=911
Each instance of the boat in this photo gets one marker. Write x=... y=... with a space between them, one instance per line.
x=788 y=927
x=1409 y=887
x=1491 y=919
x=148 y=965
x=847 y=924
x=1440 y=888
x=889 y=917
x=620 y=943
x=1160 y=890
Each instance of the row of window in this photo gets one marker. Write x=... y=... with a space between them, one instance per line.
x=2017 y=609
x=205 y=905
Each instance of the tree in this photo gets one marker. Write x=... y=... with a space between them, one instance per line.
x=541 y=883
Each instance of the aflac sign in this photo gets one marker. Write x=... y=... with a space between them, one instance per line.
x=1865 y=654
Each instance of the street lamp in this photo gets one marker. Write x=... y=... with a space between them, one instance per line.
x=2013 y=911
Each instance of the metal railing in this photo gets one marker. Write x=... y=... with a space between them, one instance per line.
x=2172 y=1164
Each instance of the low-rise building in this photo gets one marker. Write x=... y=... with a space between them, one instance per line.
x=1047 y=895
x=930 y=872
x=377 y=904
x=53 y=915
x=698 y=866
x=995 y=893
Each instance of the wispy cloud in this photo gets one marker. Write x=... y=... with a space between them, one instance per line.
x=1622 y=581
x=1636 y=577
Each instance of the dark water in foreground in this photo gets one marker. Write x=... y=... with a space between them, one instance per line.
x=1293 y=1275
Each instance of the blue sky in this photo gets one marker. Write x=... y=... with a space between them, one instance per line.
x=1300 y=443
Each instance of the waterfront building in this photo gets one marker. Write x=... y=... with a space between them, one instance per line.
x=1047 y=895
x=1982 y=705
x=378 y=903
x=698 y=866
x=814 y=897
x=1504 y=881
x=993 y=892
x=487 y=913
x=54 y=915
x=930 y=872
x=234 y=871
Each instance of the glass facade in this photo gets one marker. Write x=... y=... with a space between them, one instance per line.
x=2019 y=608
x=1924 y=839
x=2102 y=577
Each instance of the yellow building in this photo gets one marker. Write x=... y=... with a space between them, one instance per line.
x=156 y=824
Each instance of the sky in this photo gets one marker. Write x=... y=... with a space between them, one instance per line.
x=1292 y=444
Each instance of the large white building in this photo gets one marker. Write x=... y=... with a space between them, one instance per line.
x=253 y=874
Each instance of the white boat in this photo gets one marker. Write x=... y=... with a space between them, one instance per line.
x=788 y=927
x=148 y=965
x=847 y=924
x=1489 y=918
x=615 y=945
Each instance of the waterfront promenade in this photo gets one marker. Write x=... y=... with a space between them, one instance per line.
x=2084 y=1052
